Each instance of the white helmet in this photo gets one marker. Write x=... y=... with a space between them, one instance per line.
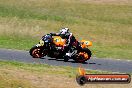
x=64 y=30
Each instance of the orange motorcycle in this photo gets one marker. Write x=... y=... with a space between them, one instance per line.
x=54 y=47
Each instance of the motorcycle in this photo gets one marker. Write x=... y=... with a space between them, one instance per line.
x=54 y=47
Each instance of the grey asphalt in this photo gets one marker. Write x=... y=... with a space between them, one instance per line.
x=123 y=66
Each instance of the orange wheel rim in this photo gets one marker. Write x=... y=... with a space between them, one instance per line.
x=35 y=53
x=83 y=54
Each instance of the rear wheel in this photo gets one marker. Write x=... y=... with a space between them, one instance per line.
x=36 y=52
x=83 y=55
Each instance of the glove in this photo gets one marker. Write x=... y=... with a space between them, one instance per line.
x=51 y=34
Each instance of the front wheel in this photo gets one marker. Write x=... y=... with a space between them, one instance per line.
x=36 y=52
x=83 y=55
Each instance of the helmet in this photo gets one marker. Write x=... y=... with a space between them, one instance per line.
x=63 y=32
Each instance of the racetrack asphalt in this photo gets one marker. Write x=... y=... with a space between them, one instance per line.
x=112 y=65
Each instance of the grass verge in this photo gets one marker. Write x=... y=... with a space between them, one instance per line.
x=23 y=75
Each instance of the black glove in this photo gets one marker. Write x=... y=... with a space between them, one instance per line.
x=51 y=34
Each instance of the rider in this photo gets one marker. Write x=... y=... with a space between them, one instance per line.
x=65 y=34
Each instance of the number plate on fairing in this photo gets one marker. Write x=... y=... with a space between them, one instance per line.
x=41 y=42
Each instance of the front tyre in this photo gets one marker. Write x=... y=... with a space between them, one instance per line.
x=36 y=52
x=83 y=55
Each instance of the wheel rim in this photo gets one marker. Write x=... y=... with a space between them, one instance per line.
x=82 y=56
x=85 y=55
x=36 y=53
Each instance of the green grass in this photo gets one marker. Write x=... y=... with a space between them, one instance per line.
x=17 y=74
x=27 y=14
x=108 y=26
x=56 y=12
x=17 y=43
x=24 y=75
x=46 y=69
